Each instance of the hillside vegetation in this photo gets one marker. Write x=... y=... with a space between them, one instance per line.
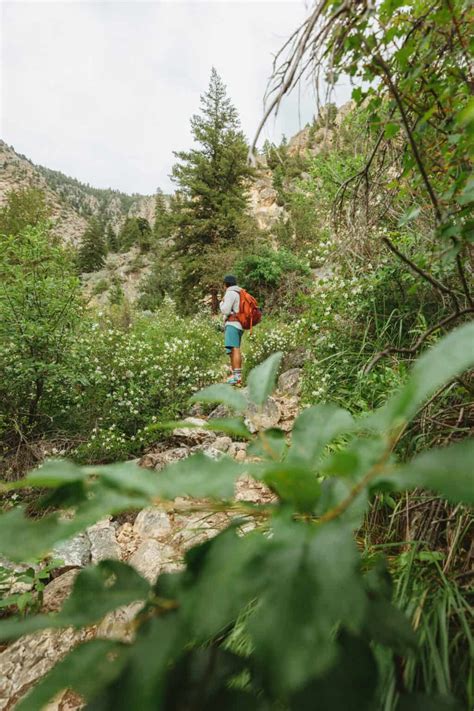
x=330 y=560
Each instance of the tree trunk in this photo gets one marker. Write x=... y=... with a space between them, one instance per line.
x=214 y=302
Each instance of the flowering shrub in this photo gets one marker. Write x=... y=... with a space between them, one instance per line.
x=131 y=379
x=269 y=337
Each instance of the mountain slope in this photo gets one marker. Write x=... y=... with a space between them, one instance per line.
x=72 y=202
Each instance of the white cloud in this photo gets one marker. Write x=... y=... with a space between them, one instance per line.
x=104 y=90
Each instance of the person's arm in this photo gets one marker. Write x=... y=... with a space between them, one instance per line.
x=227 y=304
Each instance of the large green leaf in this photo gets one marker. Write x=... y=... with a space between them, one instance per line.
x=314 y=428
x=423 y=702
x=222 y=393
x=349 y=685
x=234 y=426
x=261 y=380
x=142 y=684
x=294 y=484
x=387 y=625
x=226 y=577
x=85 y=670
x=53 y=473
x=310 y=586
x=199 y=476
x=129 y=477
x=450 y=357
x=23 y=538
x=97 y=590
x=448 y=471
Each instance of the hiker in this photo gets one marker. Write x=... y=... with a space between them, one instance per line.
x=233 y=330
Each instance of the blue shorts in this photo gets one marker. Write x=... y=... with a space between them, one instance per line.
x=232 y=338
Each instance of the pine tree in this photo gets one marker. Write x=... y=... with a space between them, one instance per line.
x=162 y=228
x=129 y=234
x=211 y=180
x=135 y=231
x=92 y=249
x=111 y=239
x=145 y=234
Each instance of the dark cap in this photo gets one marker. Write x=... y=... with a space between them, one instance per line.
x=230 y=280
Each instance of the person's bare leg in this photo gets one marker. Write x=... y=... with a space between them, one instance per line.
x=236 y=359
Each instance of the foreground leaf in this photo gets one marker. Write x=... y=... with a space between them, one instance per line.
x=311 y=586
x=294 y=484
x=450 y=357
x=222 y=393
x=262 y=379
x=315 y=428
x=199 y=476
x=448 y=471
x=85 y=670
x=97 y=590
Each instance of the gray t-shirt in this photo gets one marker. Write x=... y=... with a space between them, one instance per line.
x=230 y=304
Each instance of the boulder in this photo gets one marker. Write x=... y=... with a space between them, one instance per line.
x=219 y=412
x=152 y=523
x=56 y=592
x=29 y=658
x=289 y=382
x=168 y=456
x=116 y=624
x=74 y=552
x=151 y=558
x=193 y=435
x=103 y=543
x=222 y=443
x=263 y=418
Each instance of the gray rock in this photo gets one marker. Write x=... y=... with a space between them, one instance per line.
x=152 y=523
x=213 y=453
x=290 y=382
x=56 y=592
x=219 y=412
x=193 y=435
x=263 y=418
x=162 y=459
x=222 y=443
x=151 y=558
x=75 y=552
x=116 y=624
x=28 y=659
x=103 y=542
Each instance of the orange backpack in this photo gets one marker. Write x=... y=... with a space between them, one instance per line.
x=249 y=313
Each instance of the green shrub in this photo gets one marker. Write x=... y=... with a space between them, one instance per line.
x=40 y=310
x=101 y=286
x=268 y=271
x=132 y=378
x=268 y=337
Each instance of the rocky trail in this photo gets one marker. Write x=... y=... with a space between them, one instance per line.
x=153 y=541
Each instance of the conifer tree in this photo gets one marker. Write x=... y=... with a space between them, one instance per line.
x=211 y=180
x=162 y=228
x=92 y=249
x=129 y=234
x=145 y=234
x=111 y=239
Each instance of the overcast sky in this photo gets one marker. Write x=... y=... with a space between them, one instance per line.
x=104 y=91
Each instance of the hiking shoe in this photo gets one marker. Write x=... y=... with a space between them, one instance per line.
x=234 y=381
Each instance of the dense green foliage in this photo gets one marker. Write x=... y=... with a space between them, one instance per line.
x=23 y=208
x=319 y=617
x=40 y=310
x=135 y=231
